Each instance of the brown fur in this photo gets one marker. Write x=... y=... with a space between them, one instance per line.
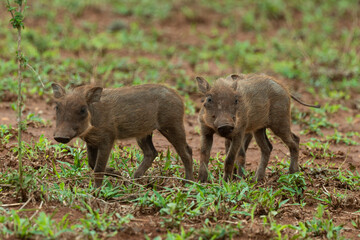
x=100 y=116
x=238 y=108
x=254 y=76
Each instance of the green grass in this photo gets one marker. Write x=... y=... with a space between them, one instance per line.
x=292 y=51
x=174 y=204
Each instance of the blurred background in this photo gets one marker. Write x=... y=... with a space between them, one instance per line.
x=116 y=43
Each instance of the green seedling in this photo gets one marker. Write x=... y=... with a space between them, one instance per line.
x=319 y=149
x=322 y=225
x=294 y=184
x=339 y=137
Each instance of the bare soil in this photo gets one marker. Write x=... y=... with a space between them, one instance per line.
x=148 y=223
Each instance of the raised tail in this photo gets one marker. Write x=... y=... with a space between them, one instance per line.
x=305 y=104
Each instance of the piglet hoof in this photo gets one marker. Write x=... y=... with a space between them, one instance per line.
x=239 y=175
x=227 y=177
x=98 y=184
x=259 y=177
x=137 y=175
x=98 y=176
x=188 y=180
x=293 y=170
x=111 y=172
x=203 y=177
x=236 y=177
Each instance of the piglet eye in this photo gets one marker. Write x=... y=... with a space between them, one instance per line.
x=56 y=107
x=236 y=101
x=83 y=110
x=209 y=100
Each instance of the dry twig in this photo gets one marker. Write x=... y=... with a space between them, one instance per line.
x=37 y=210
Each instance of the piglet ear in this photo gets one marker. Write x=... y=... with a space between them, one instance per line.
x=234 y=85
x=58 y=90
x=235 y=77
x=93 y=95
x=203 y=85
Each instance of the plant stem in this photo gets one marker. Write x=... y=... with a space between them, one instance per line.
x=19 y=101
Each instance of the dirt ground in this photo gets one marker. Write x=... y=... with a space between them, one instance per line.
x=346 y=157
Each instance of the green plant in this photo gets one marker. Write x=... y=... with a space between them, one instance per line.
x=49 y=228
x=294 y=184
x=322 y=225
x=21 y=226
x=318 y=149
x=189 y=106
x=36 y=120
x=268 y=200
x=17 y=22
x=338 y=137
x=218 y=231
x=5 y=133
x=275 y=227
x=348 y=179
x=94 y=222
